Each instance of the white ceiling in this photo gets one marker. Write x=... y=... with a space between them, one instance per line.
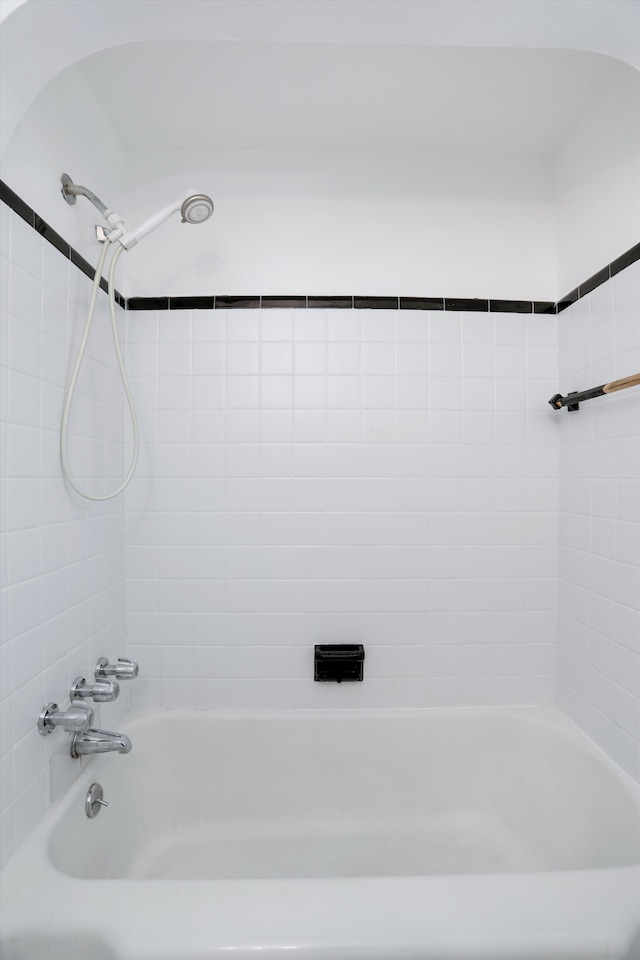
x=39 y=39
x=247 y=95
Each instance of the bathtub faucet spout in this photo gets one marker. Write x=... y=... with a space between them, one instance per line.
x=99 y=741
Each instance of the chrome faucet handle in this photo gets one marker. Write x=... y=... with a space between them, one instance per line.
x=93 y=802
x=76 y=719
x=122 y=669
x=102 y=691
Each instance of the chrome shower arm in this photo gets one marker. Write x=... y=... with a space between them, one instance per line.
x=71 y=190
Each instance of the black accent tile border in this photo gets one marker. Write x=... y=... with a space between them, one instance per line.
x=237 y=303
x=17 y=204
x=510 y=306
x=148 y=303
x=330 y=303
x=422 y=303
x=482 y=306
x=43 y=228
x=375 y=303
x=86 y=268
x=191 y=303
x=544 y=306
x=282 y=302
x=568 y=300
x=23 y=210
x=600 y=277
x=625 y=260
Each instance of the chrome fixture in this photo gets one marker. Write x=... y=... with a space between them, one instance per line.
x=71 y=190
x=102 y=233
x=122 y=669
x=102 y=691
x=99 y=741
x=196 y=208
x=77 y=719
x=93 y=802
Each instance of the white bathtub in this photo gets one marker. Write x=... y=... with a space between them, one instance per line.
x=493 y=834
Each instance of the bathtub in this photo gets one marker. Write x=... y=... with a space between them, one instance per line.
x=493 y=834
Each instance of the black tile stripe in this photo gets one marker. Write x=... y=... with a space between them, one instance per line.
x=190 y=303
x=237 y=303
x=422 y=303
x=568 y=300
x=148 y=303
x=50 y=234
x=23 y=210
x=510 y=306
x=375 y=303
x=16 y=204
x=85 y=267
x=348 y=303
x=600 y=277
x=481 y=306
x=544 y=306
x=284 y=302
x=625 y=260
x=332 y=303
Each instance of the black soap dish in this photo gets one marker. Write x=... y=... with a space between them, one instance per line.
x=338 y=661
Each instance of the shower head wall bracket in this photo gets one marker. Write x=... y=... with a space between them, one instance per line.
x=70 y=191
x=67 y=184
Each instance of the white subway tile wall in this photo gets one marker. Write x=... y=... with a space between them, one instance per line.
x=599 y=594
x=373 y=476
x=61 y=559
x=395 y=478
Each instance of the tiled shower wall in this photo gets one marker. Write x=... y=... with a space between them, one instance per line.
x=599 y=601
x=374 y=476
x=388 y=477
x=61 y=559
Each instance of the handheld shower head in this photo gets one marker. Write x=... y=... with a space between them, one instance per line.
x=194 y=208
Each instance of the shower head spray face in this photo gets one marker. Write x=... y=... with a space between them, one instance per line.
x=197 y=208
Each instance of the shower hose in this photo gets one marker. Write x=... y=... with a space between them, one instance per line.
x=76 y=371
